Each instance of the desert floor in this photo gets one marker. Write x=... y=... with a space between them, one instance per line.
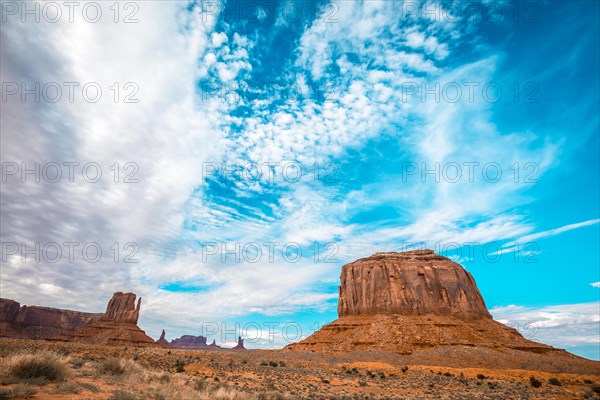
x=121 y=373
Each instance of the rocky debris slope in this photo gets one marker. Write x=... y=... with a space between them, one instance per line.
x=34 y=322
x=118 y=325
x=402 y=302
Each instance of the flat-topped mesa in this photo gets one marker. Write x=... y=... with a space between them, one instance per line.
x=122 y=308
x=412 y=283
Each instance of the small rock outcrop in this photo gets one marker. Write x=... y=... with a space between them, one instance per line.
x=40 y=323
x=162 y=341
x=240 y=344
x=403 y=302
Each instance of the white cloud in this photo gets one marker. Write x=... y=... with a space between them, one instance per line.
x=563 y=326
x=165 y=134
x=595 y=284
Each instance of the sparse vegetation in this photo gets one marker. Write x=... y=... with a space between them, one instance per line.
x=109 y=373
x=111 y=366
x=20 y=391
x=535 y=382
x=43 y=365
x=554 y=381
x=121 y=395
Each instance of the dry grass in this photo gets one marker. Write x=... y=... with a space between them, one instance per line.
x=44 y=365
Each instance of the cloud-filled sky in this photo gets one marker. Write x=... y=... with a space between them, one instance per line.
x=247 y=150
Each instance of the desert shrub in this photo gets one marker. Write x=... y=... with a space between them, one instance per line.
x=264 y=363
x=121 y=395
x=554 y=381
x=481 y=376
x=535 y=382
x=68 y=387
x=21 y=391
x=164 y=378
x=179 y=366
x=493 y=385
x=77 y=362
x=362 y=383
x=281 y=364
x=44 y=365
x=7 y=349
x=273 y=363
x=88 y=386
x=111 y=366
x=448 y=374
x=595 y=388
x=588 y=381
x=404 y=369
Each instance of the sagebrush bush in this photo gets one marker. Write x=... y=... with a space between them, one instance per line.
x=536 y=383
x=111 y=366
x=554 y=381
x=121 y=395
x=45 y=365
x=22 y=391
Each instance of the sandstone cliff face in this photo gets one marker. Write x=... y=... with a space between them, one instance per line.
x=33 y=322
x=410 y=283
x=122 y=308
x=405 y=302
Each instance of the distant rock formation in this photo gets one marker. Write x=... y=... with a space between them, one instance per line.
x=39 y=323
x=402 y=302
x=214 y=345
x=240 y=344
x=117 y=327
x=162 y=341
x=190 y=342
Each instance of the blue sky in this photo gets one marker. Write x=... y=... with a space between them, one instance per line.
x=326 y=100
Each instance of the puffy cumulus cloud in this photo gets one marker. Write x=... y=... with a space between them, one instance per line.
x=163 y=133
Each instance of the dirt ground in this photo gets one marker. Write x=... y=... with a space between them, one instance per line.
x=160 y=373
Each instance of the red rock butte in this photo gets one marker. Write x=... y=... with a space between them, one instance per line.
x=404 y=302
x=411 y=283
